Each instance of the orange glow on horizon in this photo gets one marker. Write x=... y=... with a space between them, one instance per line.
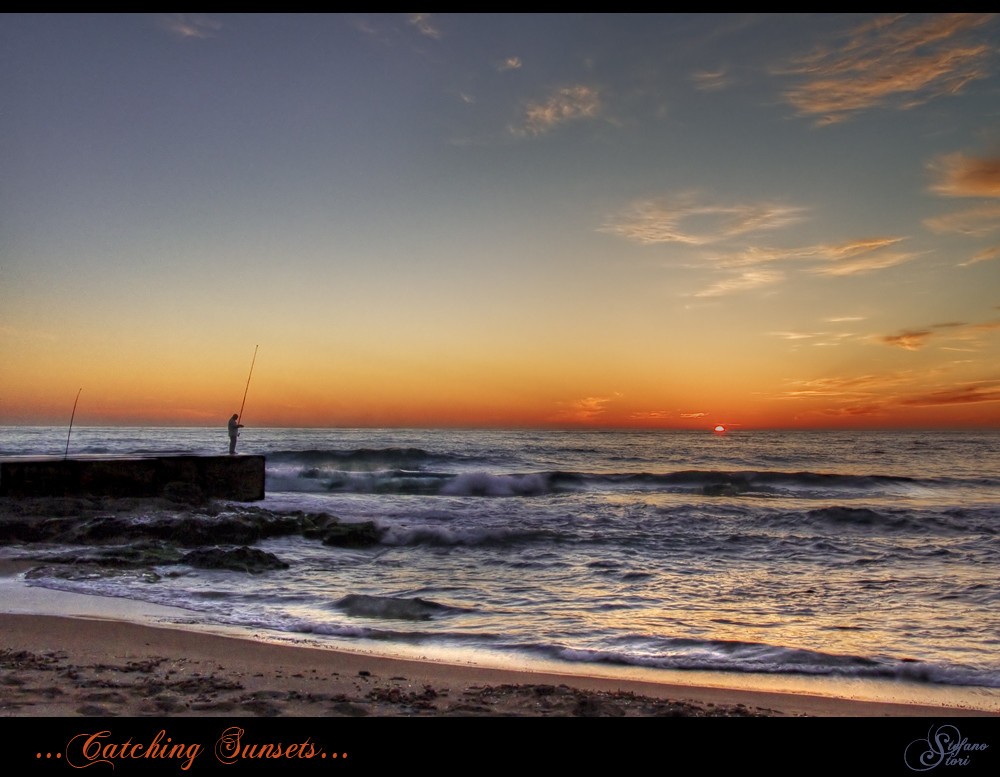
x=153 y=383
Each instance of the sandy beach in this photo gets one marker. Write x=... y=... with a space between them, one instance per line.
x=59 y=666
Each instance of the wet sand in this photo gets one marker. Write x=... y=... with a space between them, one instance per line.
x=70 y=666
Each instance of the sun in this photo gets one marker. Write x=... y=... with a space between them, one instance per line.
x=720 y=429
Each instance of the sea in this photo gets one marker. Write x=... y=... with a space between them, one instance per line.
x=857 y=563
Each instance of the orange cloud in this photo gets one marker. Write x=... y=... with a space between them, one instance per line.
x=751 y=279
x=865 y=264
x=850 y=258
x=985 y=255
x=830 y=253
x=911 y=341
x=568 y=104
x=663 y=220
x=584 y=410
x=652 y=415
x=852 y=387
x=892 y=59
x=959 y=330
x=959 y=175
x=971 y=393
x=976 y=222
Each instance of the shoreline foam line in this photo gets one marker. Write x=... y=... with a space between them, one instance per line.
x=93 y=631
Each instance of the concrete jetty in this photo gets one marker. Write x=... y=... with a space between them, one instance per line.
x=221 y=477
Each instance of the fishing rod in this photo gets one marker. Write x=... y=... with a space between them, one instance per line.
x=240 y=417
x=72 y=416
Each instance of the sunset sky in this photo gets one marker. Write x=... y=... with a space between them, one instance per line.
x=500 y=220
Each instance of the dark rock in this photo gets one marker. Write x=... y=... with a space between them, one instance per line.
x=352 y=535
x=238 y=560
x=87 y=571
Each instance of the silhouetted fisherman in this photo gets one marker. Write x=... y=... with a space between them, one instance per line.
x=234 y=432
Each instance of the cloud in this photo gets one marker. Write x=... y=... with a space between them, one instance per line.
x=422 y=21
x=880 y=394
x=911 y=341
x=850 y=258
x=751 y=279
x=568 y=104
x=865 y=264
x=797 y=335
x=756 y=255
x=816 y=339
x=970 y=393
x=894 y=60
x=685 y=220
x=511 y=63
x=975 y=222
x=959 y=175
x=849 y=395
x=985 y=255
x=651 y=415
x=711 y=81
x=953 y=330
x=585 y=409
x=690 y=221
x=190 y=25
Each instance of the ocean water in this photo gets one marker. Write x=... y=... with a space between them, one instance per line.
x=845 y=555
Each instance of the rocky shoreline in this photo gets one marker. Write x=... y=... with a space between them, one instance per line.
x=116 y=534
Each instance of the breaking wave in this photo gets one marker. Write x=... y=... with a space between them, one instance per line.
x=418 y=472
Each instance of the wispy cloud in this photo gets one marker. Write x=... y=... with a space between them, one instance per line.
x=571 y=103
x=190 y=25
x=422 y=21
x=851 y=387
x=880 y=394
x=511 y=63
x=911 y=341
x=865 y=264
x=797 y=335
x=651 y=415
x=585 y=409
x=711 y=81
x=837 y=252
x=689 y=220
x=953 y=331
x=841 y=259
x=983 y=256
x=750 y=279
x=959 y=175
x=975 y=222
x=969 y=393
x=816 y=339
x=895 y=60
x=686 y=220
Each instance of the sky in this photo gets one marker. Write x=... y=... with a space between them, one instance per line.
x=477 y=220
